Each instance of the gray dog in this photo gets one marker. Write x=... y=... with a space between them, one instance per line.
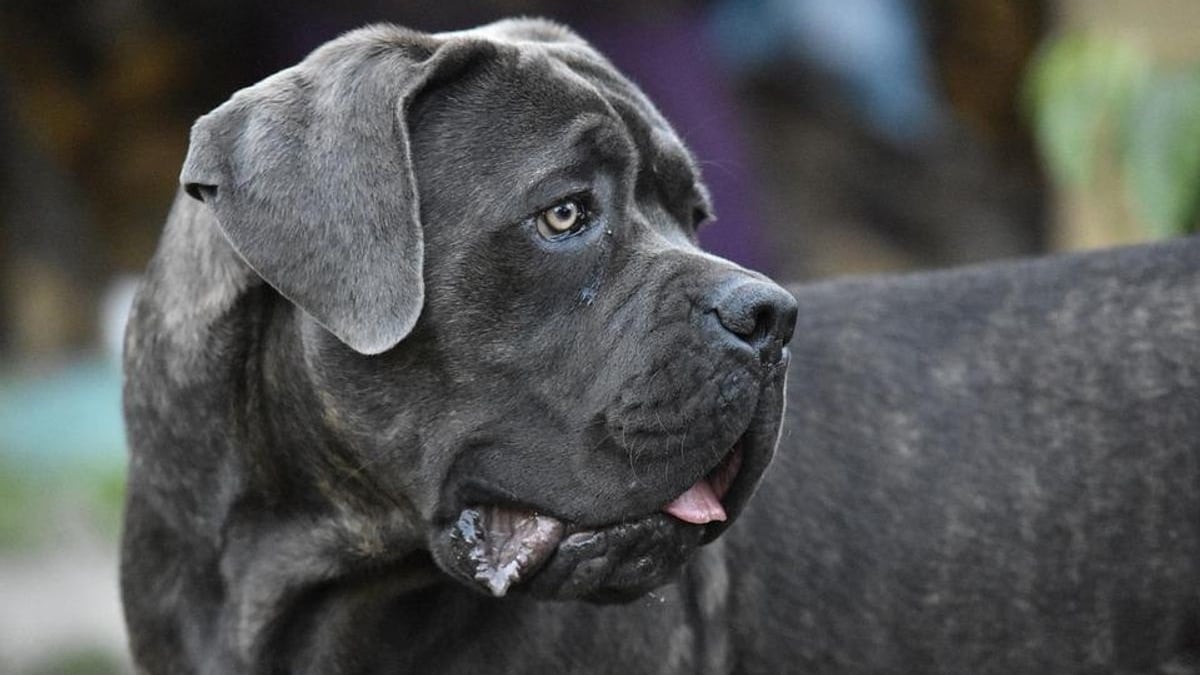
x=428 y=375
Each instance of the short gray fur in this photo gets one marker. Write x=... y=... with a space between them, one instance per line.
x=991 y=470
x=987 y=470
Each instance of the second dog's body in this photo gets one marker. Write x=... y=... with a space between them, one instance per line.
x=988 y=470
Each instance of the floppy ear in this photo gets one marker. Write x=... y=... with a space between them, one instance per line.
x=310 y=176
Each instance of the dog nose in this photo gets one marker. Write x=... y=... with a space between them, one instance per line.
x=758 y=314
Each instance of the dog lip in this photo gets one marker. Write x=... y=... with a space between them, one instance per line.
x=757 y=446
x=726 y=472
x=503 y=546
x=497 y=548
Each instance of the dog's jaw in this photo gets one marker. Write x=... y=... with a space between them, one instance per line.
x=504 y=546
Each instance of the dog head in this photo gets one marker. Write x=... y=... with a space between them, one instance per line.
x=486 y=242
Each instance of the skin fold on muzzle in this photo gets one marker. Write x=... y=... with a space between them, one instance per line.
x=429 y=318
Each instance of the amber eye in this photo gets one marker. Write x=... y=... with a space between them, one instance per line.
x=565 y=217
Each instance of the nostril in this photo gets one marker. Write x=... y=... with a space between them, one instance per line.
x=764 y=318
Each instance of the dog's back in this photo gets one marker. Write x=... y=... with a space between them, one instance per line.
x=994 y=469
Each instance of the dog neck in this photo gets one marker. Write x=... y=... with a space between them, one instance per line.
x=235 y=494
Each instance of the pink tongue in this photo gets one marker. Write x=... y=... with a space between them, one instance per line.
x=698 y=505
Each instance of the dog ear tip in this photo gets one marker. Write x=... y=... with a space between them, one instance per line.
x=371 y=338
x=369 y=348
x=376 y=342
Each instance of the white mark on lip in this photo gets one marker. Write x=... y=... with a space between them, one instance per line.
x=498 y=579
x=465 y=527
x=506 y=545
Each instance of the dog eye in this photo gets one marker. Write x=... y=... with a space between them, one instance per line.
x=565 y=217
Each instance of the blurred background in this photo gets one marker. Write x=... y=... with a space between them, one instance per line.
x=837 y=137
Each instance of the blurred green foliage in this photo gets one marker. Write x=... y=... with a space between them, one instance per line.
x=20 y=506
x=81 y=661
x=1094 y=100
x=38 y=506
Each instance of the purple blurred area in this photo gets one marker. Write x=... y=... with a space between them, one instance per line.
x=672 y=59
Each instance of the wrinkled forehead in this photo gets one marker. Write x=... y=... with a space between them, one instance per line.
x=554 y=107
x=663 y=155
